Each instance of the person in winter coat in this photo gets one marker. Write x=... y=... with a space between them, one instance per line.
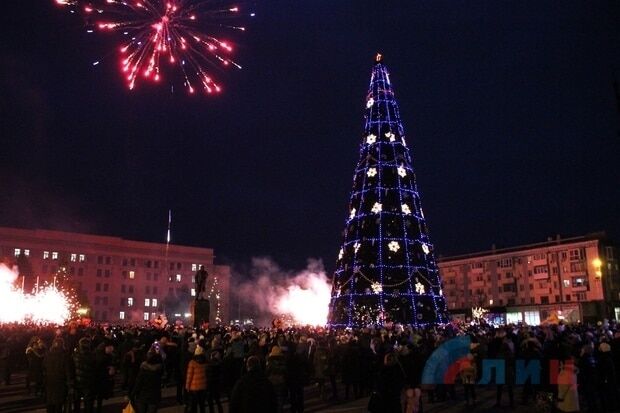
x=85 y=376
x=34 y=354
x=214 y=381
x=58 y=372
x=146 y=394
x=276 y=374
x=104 y=366
x=607 y=377
x=390 y=385
x=253 y=393
x=568 y=397
x=196 y=380
x=351 y=371
x=320 y=364
x=468 y=373
x=297 y=372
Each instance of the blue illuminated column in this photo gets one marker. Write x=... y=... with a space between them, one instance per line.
x=386 y=269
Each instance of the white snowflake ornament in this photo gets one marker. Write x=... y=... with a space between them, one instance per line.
x=369 y=103
x=371 y=172
x=390 y=136
x=402 y=171
x=393 y=246
x=356 y=247
x=352 y=215
x=405 y=209
x=376 y=208
x=376 y=287
x=419 y=288
x=341 y=254
x=370 y=139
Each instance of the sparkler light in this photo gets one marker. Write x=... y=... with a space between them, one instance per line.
x=159 y=37
x=47 y=306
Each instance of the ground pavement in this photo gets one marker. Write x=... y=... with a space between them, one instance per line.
x=13 y=399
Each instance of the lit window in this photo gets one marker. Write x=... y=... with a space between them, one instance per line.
x=27 y=253
x=566 y=283
x=147 y=317
x=46 y=255
x=73 y=257
x=130 y=302
x=154 y=302
x=491 y=302
x=194 y=267
x=193 y=292
x=54 y=255
x=132 y=275
x=121 y=315
x=18 y=252
x=178 y=278
x=82 y=258
x=147 y=302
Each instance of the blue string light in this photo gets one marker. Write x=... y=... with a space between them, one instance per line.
x=385 y=248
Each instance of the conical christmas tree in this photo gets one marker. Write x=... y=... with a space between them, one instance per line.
x=386 y=269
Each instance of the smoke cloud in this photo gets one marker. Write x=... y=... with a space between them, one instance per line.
x=271 y=292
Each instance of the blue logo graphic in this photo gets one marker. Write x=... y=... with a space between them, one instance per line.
x=443 y=365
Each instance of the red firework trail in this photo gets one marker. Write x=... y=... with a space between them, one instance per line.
x=158 y=37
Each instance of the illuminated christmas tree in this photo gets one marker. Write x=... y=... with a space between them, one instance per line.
x=386 y=269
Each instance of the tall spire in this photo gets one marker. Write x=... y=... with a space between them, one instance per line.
x=386 y=269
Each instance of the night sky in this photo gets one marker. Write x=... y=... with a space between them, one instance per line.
x=509 y=108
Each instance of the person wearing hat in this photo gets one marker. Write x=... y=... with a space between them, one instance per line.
x=196 y=380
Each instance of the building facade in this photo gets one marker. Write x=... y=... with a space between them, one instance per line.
x=118 y=280
x=575 y=279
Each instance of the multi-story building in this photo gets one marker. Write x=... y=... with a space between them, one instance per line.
x=576 y=279
x=118 y=280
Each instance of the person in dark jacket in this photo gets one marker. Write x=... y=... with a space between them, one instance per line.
x=104 y=366
x=34 y=354
x=85 y=373
x=214 y=381
x=277 y=373
x=146 y=394
x=390 y=385
x=253 y=393
x=297 y=372
x=351 y=369
x=57 y=369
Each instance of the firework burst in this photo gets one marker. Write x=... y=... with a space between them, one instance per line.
x=159 y=37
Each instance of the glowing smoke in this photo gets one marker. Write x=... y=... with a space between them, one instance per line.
x=47 y=306
x=303 y=296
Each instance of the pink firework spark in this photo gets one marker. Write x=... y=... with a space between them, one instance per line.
x=160 y=37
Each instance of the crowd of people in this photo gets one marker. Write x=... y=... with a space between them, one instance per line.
x=266 y=369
